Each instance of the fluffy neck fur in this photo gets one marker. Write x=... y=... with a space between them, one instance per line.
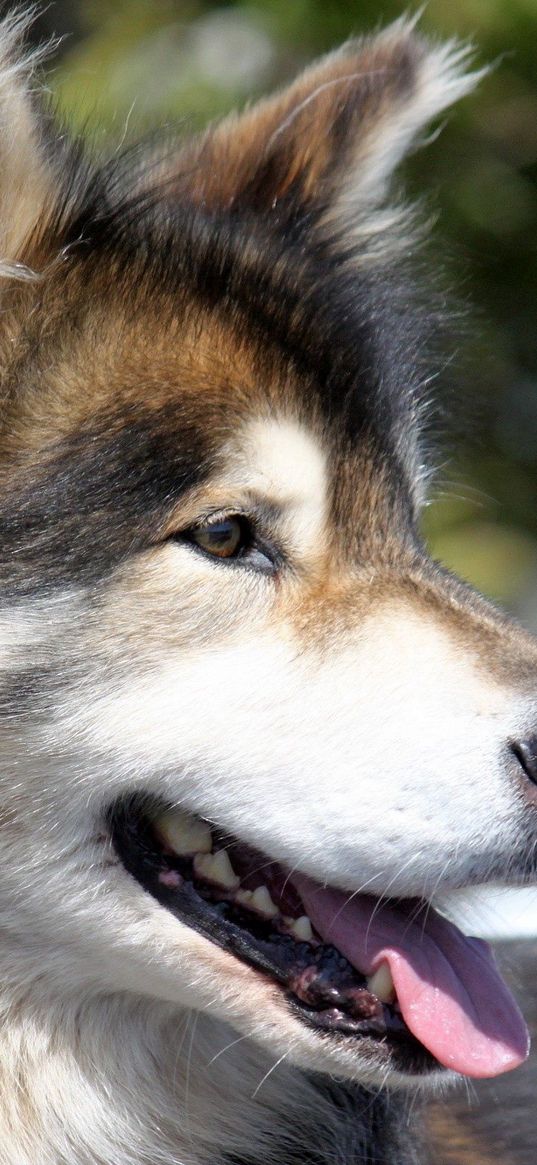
x=152 y=1086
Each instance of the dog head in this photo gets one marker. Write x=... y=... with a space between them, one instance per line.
x=235 y=688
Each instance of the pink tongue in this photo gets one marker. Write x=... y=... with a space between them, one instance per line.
x=450 y=992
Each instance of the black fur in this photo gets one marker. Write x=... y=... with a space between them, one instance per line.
x=95 y=499
x=360 y=337
x=348 y=338
x=374 y=1131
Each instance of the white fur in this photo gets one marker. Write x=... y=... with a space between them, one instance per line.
x=280 y=460
x=365 y=750
x=26 y=178
x=278 y=745
x=374 y=761
x=360 y=209
x=442 y=79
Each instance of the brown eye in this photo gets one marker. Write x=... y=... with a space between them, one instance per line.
x=223 y=538
x=233 y=538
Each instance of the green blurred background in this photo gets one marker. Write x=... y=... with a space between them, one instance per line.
x=124 y=66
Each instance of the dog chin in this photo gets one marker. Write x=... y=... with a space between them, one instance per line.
x=254 y=1009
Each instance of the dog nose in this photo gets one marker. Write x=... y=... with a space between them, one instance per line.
x=526 y=755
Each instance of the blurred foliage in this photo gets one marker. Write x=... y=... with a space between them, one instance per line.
x=128 y=64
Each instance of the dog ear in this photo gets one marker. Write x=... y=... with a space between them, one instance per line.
x=30 y=154
x=330 y=142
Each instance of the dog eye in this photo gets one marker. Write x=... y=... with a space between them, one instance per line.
x=232 y=538
x=223 y=537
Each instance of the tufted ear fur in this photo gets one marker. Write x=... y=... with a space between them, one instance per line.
x=329 y=143
x=323 y=149
x=29 y=185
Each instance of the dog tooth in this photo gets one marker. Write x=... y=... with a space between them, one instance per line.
x=262 y=902
x=243 y=897
x=217 y=868
x=203 y=866
x=301 y=929
x=183 y=833
x=380 y=983
x=223 y=870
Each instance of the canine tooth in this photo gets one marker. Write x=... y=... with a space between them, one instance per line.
x=381 y=984
x=183 y=833
x=243 y=897
x=301 y=929
x=262 y=902
x=217 y=868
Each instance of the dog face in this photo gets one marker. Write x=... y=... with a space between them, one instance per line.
x=235 y=688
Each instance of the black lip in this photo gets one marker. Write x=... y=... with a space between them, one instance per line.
x=332 y=997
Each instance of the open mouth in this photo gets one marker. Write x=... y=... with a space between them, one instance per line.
x=350 y=967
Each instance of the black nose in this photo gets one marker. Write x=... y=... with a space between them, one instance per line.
x=526 y=755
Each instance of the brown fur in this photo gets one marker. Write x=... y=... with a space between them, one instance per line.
x=228 y=326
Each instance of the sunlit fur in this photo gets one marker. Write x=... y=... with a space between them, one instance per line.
x=228 y=325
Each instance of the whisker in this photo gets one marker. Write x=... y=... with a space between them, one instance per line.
x=269 y=1073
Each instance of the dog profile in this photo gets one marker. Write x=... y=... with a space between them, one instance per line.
x=250 y=729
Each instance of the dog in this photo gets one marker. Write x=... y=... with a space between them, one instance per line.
x=250 y=729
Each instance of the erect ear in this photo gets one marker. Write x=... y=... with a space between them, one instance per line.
x=29 y=162
x=333 y=138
